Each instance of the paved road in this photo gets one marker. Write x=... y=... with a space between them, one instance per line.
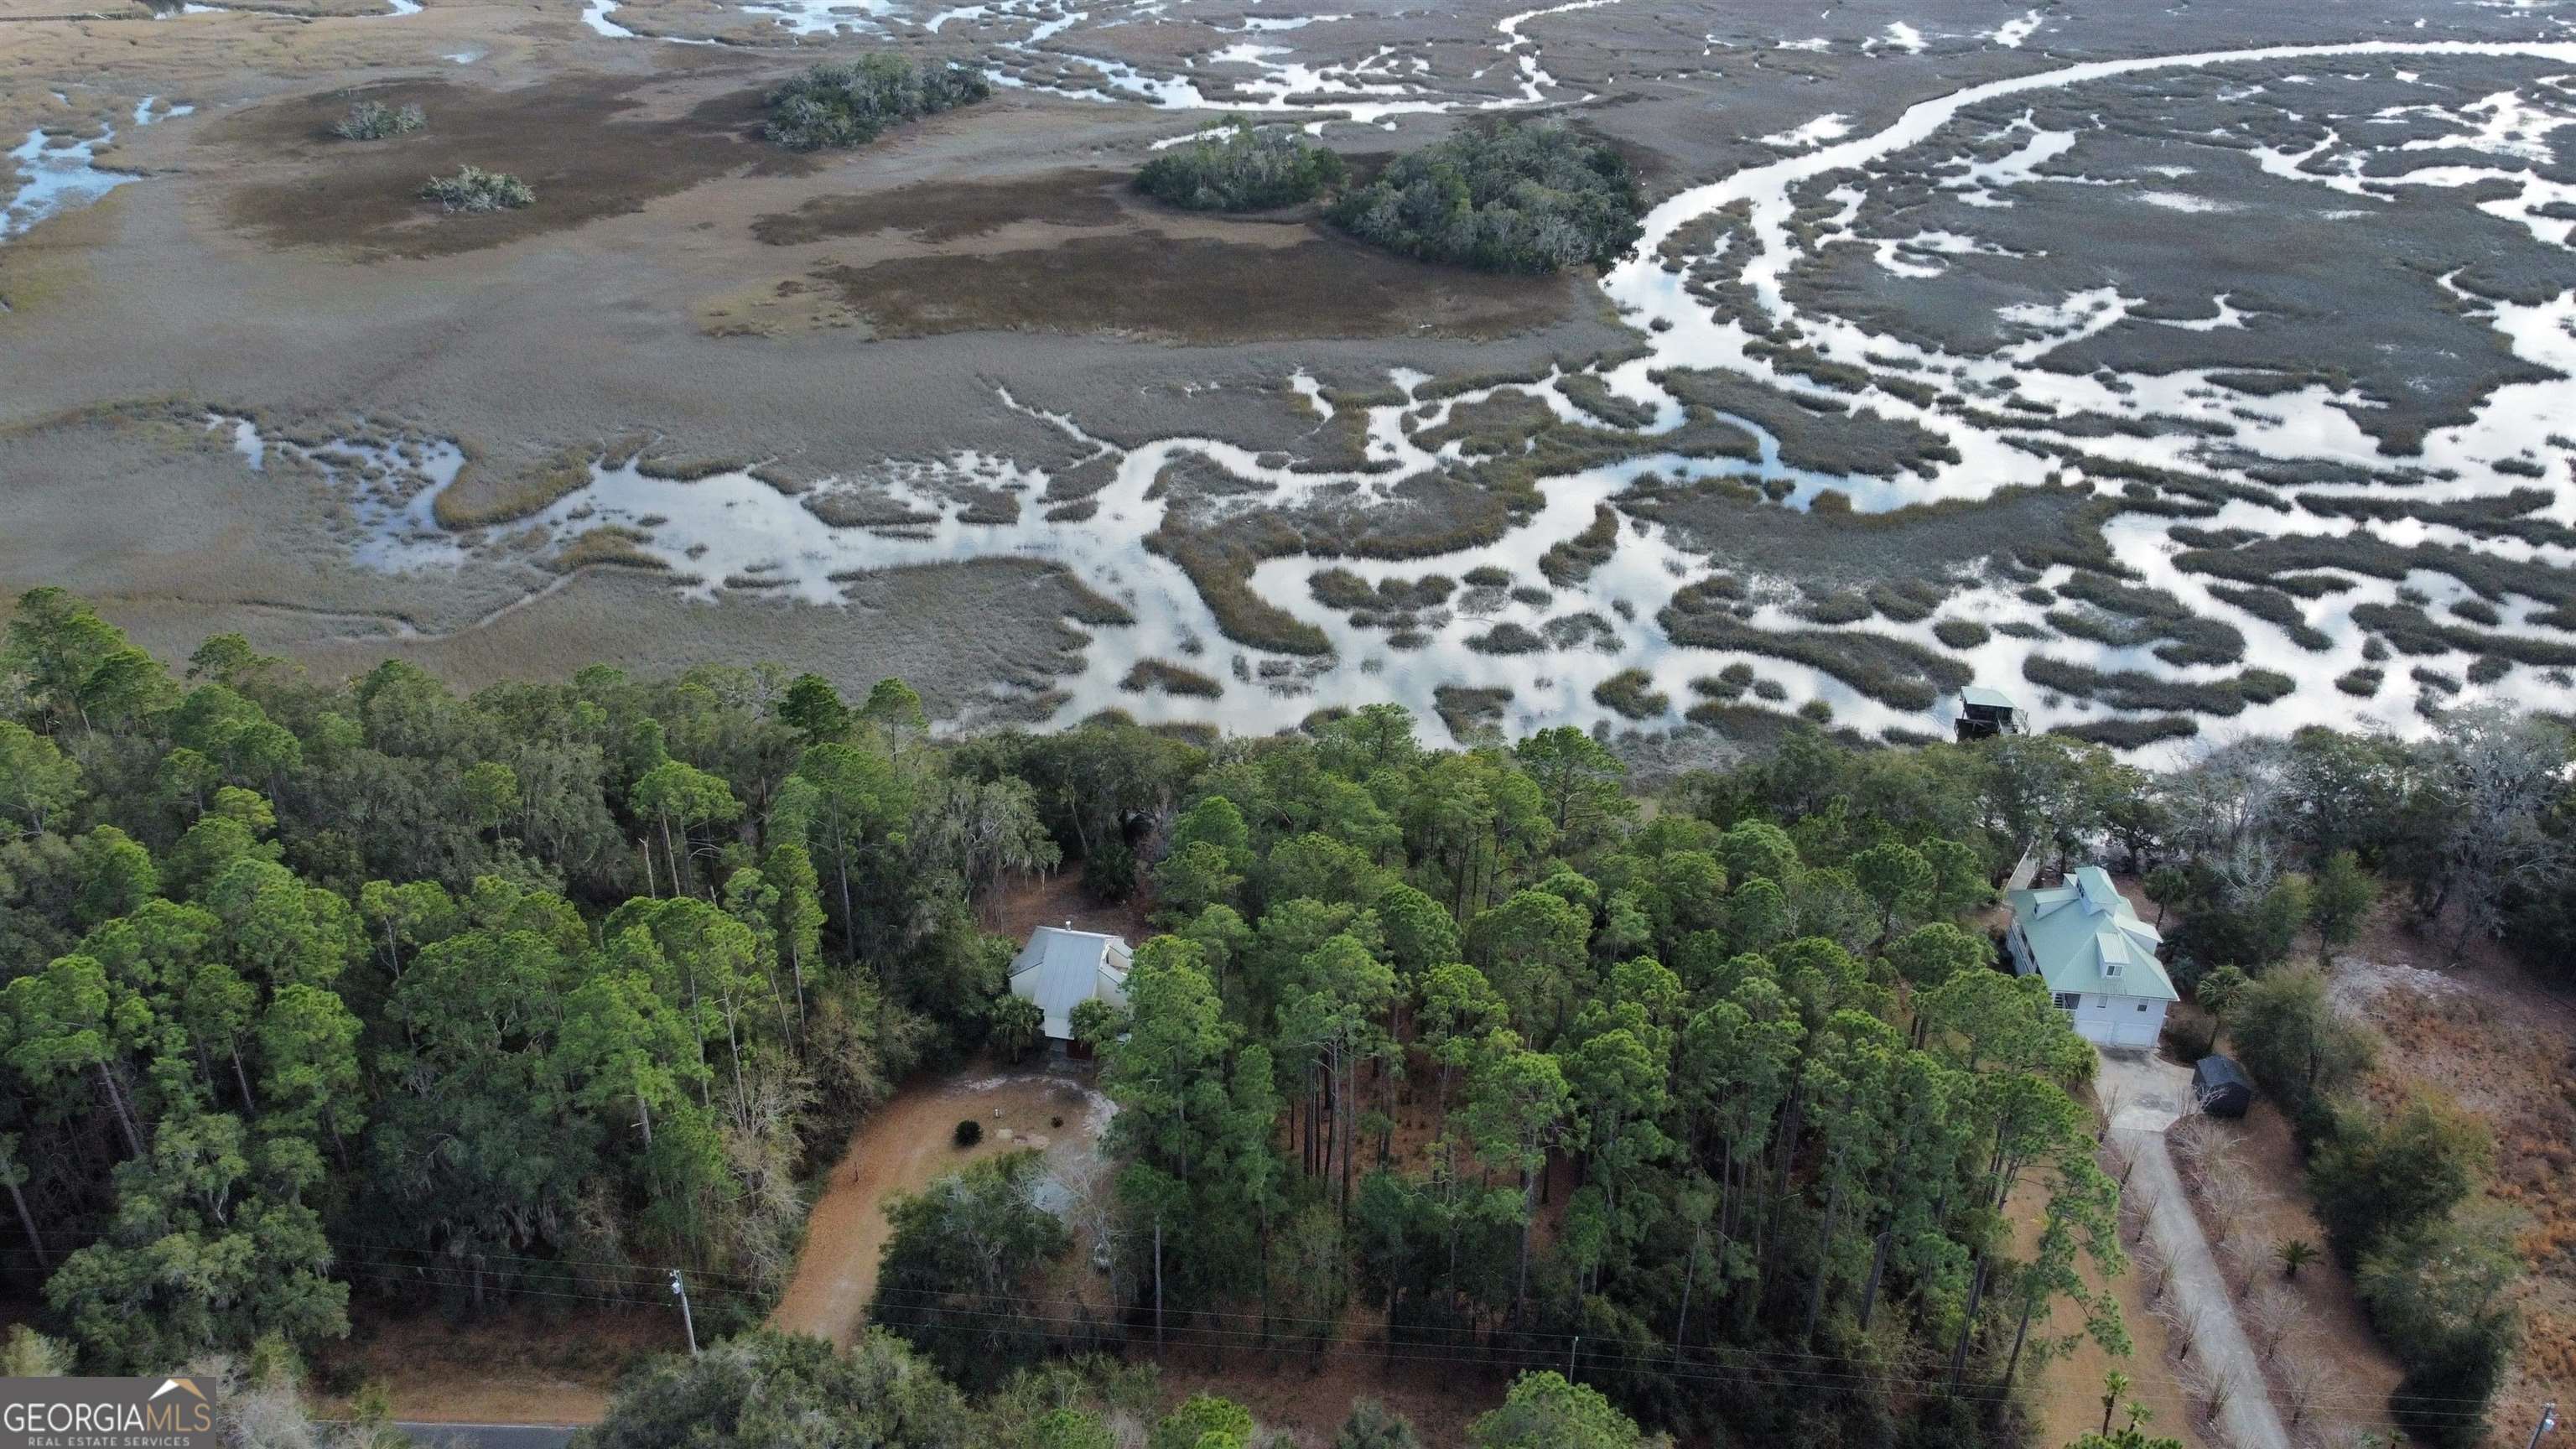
x=488 y=1436
x=2146 y=1097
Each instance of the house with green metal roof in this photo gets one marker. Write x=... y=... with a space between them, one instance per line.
x=2098 y=957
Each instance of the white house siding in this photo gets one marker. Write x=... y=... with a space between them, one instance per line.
x=2119 y=1021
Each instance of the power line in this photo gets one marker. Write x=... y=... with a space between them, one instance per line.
x=1537 y=1348
x=1503 y=1356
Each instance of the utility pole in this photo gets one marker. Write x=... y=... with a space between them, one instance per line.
x=681 y=1291
x=2548 y=1421
x=1569 y=1357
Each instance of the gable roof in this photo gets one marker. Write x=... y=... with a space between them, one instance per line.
x=2085 y=937
x=1060 y=968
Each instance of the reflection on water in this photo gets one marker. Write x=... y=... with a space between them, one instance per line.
x=57 y=172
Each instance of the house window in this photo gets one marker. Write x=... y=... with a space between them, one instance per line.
x=2110 y=968
x=2068 y=1000
x=2142 y=1006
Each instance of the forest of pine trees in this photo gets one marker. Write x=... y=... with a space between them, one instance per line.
x=1708 y=1100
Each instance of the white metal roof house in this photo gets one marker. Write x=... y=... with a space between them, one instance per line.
x=1060 y=968
x=2098 y=958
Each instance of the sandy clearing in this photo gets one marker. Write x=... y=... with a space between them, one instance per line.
x=905 y=1146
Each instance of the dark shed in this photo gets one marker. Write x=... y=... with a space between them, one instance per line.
x=2222 y=1087
x=1985 y=713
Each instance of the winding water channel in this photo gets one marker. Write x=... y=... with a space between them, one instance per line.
x=733 y=531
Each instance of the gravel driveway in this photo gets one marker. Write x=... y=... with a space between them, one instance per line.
x=2145 y=1096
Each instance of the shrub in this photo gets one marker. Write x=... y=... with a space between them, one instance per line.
x=473 y=189
x=969 y=1132
x=850 y=103
x=2380 y=1179
x=2289 y=1036
x=1519 y=196
x=1200 y=1420
x=2442 y=1296
x=1372 y=1425
x=1960 y=633
x=1109 y=871
x=374 y=121
x=961 y=1258
x=1241 y=168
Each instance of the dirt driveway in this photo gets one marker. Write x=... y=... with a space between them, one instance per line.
x=905 y=1146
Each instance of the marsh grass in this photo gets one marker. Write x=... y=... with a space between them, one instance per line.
x=1506 y=638
x=1092 y=607
x=1895 y=672
x=1631 y=693
x=1572 y=631
x=2132 y=689
x=478 y=499
x=2411 y=631
x=1569 y=563
x=1222 y=573
x=1588 y=392
x=1471 y=713
x=2125 y=617
x=1490 y=427
x=2131 y=734
x=1164 y=677
x=675 y=468
x=2496 y=516
x=2282 y=563
x=606 y=546
x=2277 y=608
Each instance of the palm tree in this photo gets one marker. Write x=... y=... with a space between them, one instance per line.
x=2114 y=1384
x=2295 y=1254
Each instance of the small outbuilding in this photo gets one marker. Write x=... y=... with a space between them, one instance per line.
x=1985 y=713
x=1060 y=968
x=2221 y=1087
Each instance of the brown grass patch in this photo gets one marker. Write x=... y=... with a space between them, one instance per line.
x=1197 y=290
x=575 y=141
x=943 y=211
